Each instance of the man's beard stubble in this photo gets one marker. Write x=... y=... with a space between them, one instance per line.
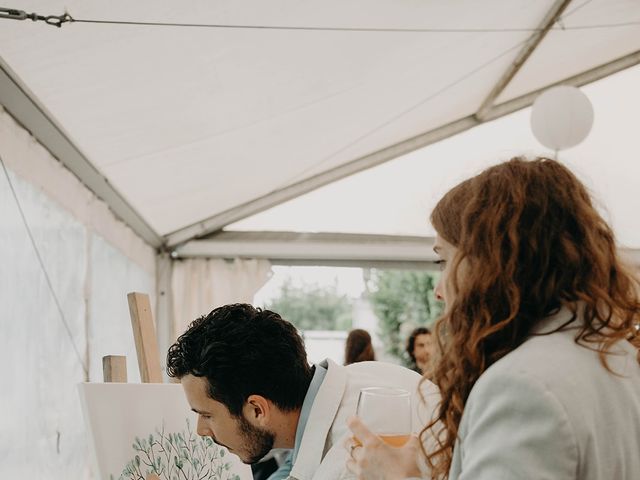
x=258 y=442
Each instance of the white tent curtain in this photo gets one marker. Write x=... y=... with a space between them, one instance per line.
x=200 y=285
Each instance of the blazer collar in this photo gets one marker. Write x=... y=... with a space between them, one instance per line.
x=323 y=412
x=563 y=319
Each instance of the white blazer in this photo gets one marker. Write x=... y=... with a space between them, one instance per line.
x=549 y=410
x=322 y=455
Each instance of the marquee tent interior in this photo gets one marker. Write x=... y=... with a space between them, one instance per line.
x=184 y=160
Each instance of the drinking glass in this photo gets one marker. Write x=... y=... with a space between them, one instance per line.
x=387 y=413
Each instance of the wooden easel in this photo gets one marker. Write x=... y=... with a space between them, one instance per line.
x=114 y=367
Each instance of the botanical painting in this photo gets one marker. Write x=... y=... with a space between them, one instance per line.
x=147 y=432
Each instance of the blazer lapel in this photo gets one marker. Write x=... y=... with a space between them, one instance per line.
x=323 y=412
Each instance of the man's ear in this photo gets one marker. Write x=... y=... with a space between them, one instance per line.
x=258 y=410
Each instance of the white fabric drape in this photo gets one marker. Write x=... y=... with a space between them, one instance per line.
x=200 y=285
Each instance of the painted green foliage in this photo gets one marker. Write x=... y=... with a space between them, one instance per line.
x=177 y=456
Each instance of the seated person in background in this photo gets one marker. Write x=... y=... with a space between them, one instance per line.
x=538 y=373
x=419 y=347
x=245 y=373
x=358 y=347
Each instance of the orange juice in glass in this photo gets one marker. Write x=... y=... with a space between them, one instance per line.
x=386 y=412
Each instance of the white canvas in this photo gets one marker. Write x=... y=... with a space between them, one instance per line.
x=139 y=429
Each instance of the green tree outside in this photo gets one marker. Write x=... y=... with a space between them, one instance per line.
x=313 y=307
x=402 y=300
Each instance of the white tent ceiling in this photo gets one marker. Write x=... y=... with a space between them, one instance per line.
x=396 y=198
x=184 y=130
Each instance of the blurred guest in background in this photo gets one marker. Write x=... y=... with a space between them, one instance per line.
x=358 y=347
x=419 y=348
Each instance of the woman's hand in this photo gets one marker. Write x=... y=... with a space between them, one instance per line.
x=372 y=459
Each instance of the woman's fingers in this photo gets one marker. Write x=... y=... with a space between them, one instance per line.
x=360 y=432
x=370 y=458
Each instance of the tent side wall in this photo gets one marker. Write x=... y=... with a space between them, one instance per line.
x=92 y=260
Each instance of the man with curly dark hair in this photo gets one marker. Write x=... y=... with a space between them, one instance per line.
x=245 y=373
x=419 y=348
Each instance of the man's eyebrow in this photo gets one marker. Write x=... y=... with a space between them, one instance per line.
x=199 y=412
x=436 y=248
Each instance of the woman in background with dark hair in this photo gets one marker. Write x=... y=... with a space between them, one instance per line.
x=537 y=367
x=358 y=347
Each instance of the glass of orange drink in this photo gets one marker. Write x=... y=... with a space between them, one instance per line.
x=386 y=412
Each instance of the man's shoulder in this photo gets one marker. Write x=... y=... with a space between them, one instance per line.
x=380 y=374
x=348 y=380
x=382 y=367
x=370 y=368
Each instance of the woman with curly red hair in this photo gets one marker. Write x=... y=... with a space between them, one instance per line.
x=538 y=364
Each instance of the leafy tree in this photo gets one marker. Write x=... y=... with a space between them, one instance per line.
x=311 y=307
x=402 y=300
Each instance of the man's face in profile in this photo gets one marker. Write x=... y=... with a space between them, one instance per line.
x=249 y=442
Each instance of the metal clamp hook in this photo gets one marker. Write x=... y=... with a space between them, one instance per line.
x=12 y=14
x=58 y=20
x=55 y=20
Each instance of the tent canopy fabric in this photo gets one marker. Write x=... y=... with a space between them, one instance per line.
x=396 y=198
x=192 y=129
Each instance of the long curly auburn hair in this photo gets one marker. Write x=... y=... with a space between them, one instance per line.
x=531 y=242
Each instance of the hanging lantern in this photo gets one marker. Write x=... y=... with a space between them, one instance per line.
x=561 y=117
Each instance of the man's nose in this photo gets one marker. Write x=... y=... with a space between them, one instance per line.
x=203 y=429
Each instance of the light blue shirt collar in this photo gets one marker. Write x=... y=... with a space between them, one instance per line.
x=314 y=386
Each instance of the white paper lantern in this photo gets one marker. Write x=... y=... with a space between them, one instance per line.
x=561 y=117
